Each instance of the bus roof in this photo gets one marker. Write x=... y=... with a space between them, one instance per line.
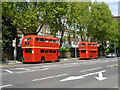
x=41 y=37
x=89 y=42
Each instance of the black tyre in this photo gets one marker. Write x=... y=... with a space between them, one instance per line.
x=42 y=59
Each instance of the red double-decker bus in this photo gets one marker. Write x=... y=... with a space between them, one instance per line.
x=88 y=50
x=40 y=49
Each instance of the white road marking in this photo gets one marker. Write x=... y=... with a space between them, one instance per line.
x=112 y=65
x=20 y=69
x=25 y=71
x=61 y=75
x=49 y=77
x=80 y=77
x=5 y=86
x=43 y=78
x=44 y=69
x=8 y=71
x=100 y=77
x=91 y=69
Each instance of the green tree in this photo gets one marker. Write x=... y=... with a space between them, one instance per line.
x=78 y=17
x=99 y=27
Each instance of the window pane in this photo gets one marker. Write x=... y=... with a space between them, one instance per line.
x=50 y=51
x=53 y=41
x=37 y=39
x=83 y=51
x=28 y=50
x=46 y=40
x=46 y=51
x=27 y=39
x=82 y=44
x=41 y=39
x=50 y=41
x=54 y=51
x=57 y=41
x=41 y=51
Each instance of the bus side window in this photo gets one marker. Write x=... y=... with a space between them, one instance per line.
x=41 y=39
x=50 y=51
x=54 y=51
x=83 y=51
x=41 y=51
x=50 y=41
x=54 y=41
x=28 y=50
x=46 y=51
x=37 y=39
x=46 y=40
x=57 y=41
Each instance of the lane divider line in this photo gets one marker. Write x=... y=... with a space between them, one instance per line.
x=49 y=77
x=91 y=69
x=8 y=71
x=6 y=86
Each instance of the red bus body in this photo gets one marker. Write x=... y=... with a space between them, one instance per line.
x=37 y=47
x=88 y=50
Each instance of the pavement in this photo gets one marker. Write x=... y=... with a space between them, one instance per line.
x=15 y=62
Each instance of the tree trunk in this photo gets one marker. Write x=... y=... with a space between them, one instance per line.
x=81 y=34
x=39 y=28
x=103 y=50
x=61 y=40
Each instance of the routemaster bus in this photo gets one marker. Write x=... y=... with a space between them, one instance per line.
x=88 y=50
x=40 y=49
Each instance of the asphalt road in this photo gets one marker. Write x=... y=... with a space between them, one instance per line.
x=74 y=73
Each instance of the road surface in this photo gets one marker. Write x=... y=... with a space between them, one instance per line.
x=74 y=73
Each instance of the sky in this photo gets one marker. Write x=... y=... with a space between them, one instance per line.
x=113 y=5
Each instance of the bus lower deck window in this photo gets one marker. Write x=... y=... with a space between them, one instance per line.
x=50 y=51
x=54 y=51
x=28 y=50
x=46 y=51
x=83 y=51
x=41 y=51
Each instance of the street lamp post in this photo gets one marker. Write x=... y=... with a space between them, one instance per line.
x=75 y=45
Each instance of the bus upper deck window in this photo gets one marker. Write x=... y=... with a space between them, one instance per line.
x=41 y=39
x=82 y=44
x=37 y=39
x=46 y=40
x=53 y=41
x=27 y=39
x=50 y=41
x=57 y=41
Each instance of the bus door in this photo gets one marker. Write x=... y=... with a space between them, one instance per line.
x=27 y=54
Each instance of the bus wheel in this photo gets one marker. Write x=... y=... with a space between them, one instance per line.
x=42 y=59
x=58 y=59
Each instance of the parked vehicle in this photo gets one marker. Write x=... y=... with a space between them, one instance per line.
x=111 y=55
x=118 y=55
x=40 y=49
x=88 y=50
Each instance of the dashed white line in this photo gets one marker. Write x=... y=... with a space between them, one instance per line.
x=61 y=75
x=8 y=71
x=5 y=86
x=91 y=69
x=44 y=69
x=43 y=78
x=49 y=77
